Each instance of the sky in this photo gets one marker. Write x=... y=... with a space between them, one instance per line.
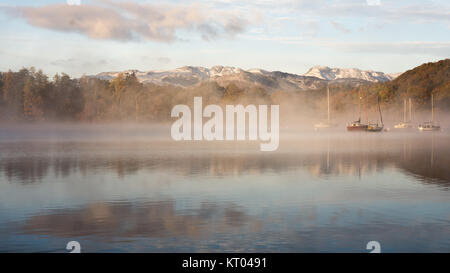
x=87 y=37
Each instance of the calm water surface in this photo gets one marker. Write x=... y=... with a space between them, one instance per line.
x=123 y=189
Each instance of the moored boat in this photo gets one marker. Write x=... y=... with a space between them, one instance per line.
x=430 y=125
x=322 y=125
x=357 y=125
x=327 y=124
x=405 y=124
x=374 y=127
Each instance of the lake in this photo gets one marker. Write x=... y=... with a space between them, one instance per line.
x=124 y=188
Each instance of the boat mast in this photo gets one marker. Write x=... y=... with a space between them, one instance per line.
x=410 y=111
x=432 y=108
x=328 y=95
x=365 y=108
x=359 y=94
x=404 y=110
x=379 y=109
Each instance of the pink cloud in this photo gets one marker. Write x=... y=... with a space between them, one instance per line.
x=132 y=21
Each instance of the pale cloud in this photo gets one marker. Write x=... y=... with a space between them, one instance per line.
x=158 y=60
x=373 y=2
x=279 y=13
x=430 y=48
x=339 y=27
x=382 y=10
x=308 y=28
x=133 y=21
x=72 y=62
x=164 y=60
x=391 y=12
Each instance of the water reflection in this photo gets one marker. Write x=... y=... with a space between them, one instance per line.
x=31 y=162
x=106 y=220
x=316 y=193
x=226 y=227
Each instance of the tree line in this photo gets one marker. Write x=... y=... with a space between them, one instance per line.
x=30 y=95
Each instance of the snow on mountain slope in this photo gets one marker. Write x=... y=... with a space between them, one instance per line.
x=189 y=75
x=327 y=73
x=392 y=76
x=315 y=78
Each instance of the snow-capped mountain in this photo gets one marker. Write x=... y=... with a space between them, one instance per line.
x=315 y=78
x=183 y=76
x=190 y=75
x=330 y=74
x=394 y=75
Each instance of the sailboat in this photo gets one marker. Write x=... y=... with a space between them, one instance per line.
x=357 y=125
x=430 y=125
x=374 y=127
x=405 y=124
x=327 y=124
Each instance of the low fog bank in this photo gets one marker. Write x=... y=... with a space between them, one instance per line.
x=342 y=154
x=297 y=130
x=74 y=131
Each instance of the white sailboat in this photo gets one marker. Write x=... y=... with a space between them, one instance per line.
x=375 y=127
x=405 y=124
x=430 y=125
x=327 y=124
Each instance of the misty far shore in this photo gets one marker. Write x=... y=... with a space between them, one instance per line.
x=31 y=96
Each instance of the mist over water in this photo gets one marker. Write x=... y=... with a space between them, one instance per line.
x=129 y=187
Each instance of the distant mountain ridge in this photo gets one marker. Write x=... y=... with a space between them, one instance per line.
x=330 y=74
x=315 y=78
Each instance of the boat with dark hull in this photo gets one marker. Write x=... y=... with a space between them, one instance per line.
x=375 y=127
x=429 y=126
x=357 y=126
